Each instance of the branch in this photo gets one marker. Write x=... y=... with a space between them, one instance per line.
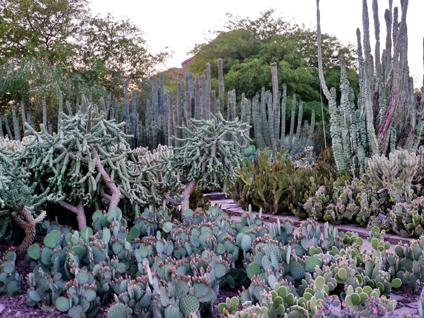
x=171 y=200
x=320 y=72
x=116 y=193
x=28 y=225
x=79 y=211
x=185 y=203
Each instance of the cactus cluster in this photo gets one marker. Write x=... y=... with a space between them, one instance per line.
x=387 y=117
x=175 y=268
x=10 y=280
x=281 y=186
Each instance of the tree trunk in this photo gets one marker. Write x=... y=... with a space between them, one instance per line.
x=185 y=203
x=79 y=211
x=28 y=225
x=116 y=193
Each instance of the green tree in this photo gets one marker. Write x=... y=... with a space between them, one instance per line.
x=49 y=43
x=119 y=46
x=248 y=47
x=45 y=29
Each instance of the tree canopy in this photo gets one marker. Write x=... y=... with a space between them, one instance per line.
x=249 y=46
x=44 y=29
x=49 y=43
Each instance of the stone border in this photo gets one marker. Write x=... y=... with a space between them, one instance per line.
x=229 y=207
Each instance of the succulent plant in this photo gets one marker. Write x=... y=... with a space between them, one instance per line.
x=10 y=280
x=280 y=187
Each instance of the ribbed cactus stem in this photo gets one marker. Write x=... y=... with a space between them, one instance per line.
x=243 y=114
x=178 y=106
x=264 y=120
x=311 y=128
x=134 y=101
x=16 y=128
x=299 y=121
x=140 y=135
x=320 y=70
x=197 y=101
x=164 y=124
x=126 y=102
x=275 y=98
x=248 y=111
x=213 y=103
x=161 y=93
x=220 y=80
x=257 y=122
x=218 y=106
x=283 y=114
x=203 y=98
x=388 y=56
x=189 y=77
x=154 y=136
x=170 y=119
x=154 y=90
x=9 y=132
x=1 y=127
x=377 y=38
x=23 y=116
x=207 y=91
x=293 y=115
x=277 y=119
x=270 y=123
x=102 y=104
x=175 y=125
x=43 y=101
x=187 y=102
x=60 y=114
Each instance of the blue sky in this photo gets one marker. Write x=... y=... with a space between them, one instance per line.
x=181 y=24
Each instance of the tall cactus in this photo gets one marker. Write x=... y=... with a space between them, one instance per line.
x=387 y=117
x=16 y=128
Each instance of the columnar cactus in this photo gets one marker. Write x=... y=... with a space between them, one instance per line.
x=387 y=117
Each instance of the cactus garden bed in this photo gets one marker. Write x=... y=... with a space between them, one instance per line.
x=189 y=265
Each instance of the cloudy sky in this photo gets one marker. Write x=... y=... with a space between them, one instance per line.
x=179 y=25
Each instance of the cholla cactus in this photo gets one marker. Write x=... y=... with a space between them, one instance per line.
x=18 y=200
x=88 y=161
x=212 y=153
x=154 y=159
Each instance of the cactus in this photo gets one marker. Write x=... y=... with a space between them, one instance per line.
x=11 y=281
x=384 y=86
x=206 y=159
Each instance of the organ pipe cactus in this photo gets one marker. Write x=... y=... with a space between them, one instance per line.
x=386 y=117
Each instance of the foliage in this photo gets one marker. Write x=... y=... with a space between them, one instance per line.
x=249 y=46
x=31 y=80
x=48 y=43
x=116 y=46
x=43 y=29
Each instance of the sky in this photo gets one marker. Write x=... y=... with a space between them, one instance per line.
x=179 y=25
